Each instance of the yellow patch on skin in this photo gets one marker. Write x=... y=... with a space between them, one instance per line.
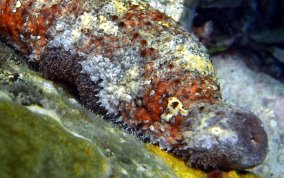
x=18 y=4
x=174 y=108
x=217 y=131
x=133 y=72
x=76 y=34
x=108 y=26
x=120 y=8
x=166 y=24
x=87 y=18
x=193 y=62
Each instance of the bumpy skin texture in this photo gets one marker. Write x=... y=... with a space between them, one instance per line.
x=137 y=65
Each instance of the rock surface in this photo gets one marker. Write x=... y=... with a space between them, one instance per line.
x=33 y=145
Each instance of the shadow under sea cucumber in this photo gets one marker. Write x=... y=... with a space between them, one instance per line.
x=138 y=65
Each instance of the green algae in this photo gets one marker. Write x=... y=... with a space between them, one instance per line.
x=34 y=145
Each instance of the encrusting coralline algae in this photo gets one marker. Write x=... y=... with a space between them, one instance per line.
x=137 y=65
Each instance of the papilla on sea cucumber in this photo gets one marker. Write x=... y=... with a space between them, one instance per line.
x=137 y=65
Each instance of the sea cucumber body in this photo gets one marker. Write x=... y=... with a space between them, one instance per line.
x=138 y=65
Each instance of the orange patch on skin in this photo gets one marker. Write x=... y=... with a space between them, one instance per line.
x=162 y=87
x=132 y=23
x=157 y=15
x=114 y=17
x=142 y=115
x=139 y=19
x=121 y=24
x=147 y=52
x=135 y=36
x=193 y=88
x=13 y=24
x=134 y=7
x=178 y=120
x=143 y=42
x=155 y=102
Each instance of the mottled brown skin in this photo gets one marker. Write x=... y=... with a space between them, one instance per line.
x=191 y=89
x=64 y=67
x=252 y=136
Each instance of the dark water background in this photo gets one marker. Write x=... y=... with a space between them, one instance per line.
x=254 y=28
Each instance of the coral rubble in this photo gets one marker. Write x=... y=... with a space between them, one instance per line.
x=137 y=65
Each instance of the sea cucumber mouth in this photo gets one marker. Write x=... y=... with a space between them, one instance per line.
x=225 y=138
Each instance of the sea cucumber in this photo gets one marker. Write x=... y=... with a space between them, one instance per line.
x=138 y=66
